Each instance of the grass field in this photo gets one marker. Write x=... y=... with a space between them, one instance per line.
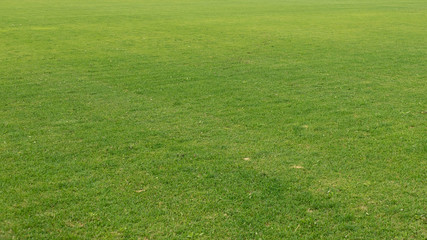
x=213 y=119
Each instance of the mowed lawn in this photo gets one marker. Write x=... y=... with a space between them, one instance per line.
x=213 y=119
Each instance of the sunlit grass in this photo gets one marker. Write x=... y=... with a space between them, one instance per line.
x=176 y=119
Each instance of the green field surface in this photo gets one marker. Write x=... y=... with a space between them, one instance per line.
x=213 y=119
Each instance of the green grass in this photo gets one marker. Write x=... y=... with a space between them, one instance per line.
x=203 y=119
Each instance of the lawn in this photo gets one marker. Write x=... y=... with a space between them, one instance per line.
x=213 y=119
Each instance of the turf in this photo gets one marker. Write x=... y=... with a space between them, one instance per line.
x=213 y=119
